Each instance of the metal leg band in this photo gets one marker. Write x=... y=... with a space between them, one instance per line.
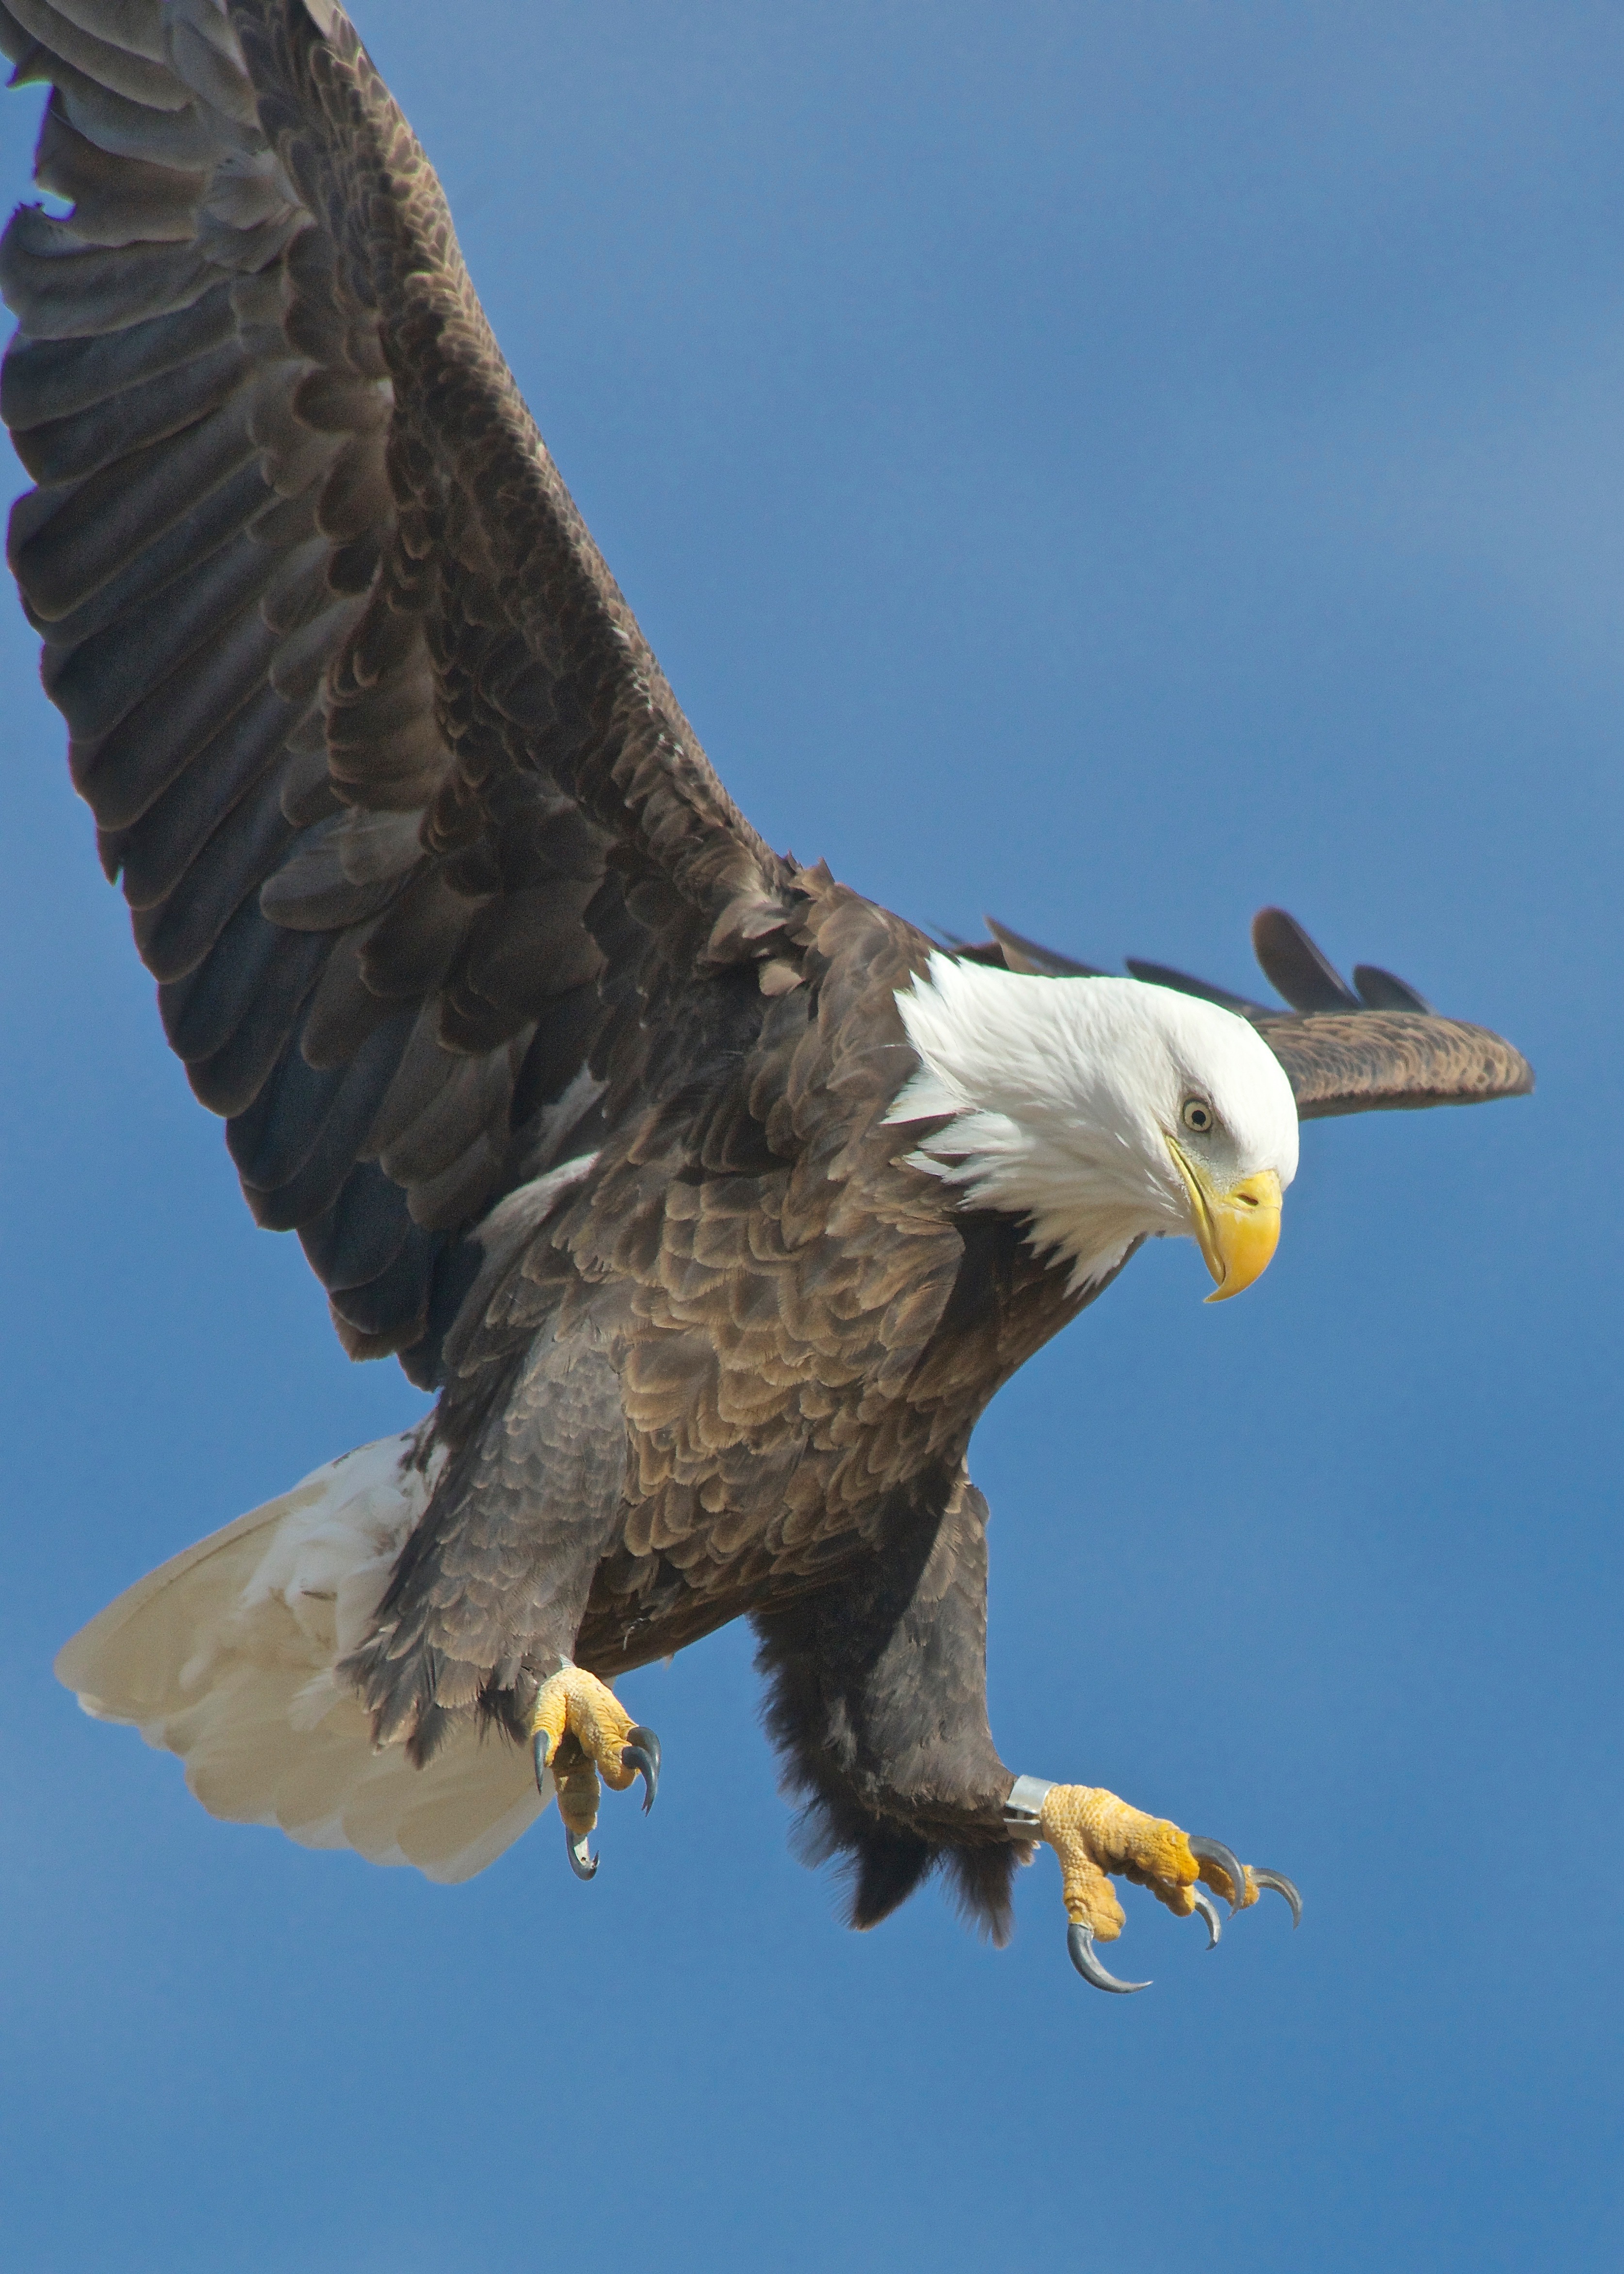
x=1023 y=1809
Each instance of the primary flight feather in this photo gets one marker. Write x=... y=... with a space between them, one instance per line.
x=714 y=1201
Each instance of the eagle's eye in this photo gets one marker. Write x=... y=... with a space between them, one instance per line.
x=1198 y=1115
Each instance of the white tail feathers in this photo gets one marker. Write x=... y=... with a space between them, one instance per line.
x=225 y=1655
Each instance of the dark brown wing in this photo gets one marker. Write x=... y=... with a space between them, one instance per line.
x=1374 y=1047
x=405 y=812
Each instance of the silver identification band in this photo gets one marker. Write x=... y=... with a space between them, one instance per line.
x=1024 y=1806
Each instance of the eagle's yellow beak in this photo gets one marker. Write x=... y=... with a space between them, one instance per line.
x=1238 y=1230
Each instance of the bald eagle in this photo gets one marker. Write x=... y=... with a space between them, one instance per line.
x=712 y=1200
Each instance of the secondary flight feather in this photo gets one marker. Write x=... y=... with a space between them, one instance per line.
x=714 y=1201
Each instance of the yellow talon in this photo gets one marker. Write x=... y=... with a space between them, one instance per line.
x=1092 y=1833
x=580 y=1732
x=1097 y=1836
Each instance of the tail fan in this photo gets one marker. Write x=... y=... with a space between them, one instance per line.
x=225 y=1655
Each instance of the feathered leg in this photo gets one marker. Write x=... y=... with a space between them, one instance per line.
x=878 y=1702
x=485 y=1603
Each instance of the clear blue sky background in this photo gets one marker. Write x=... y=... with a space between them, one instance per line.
x=1114 y=466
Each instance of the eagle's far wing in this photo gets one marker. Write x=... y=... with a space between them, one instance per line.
x=410 y=822
x=1376 y=1046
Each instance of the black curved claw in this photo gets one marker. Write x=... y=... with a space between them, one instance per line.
x=1214 y=1851
x=584 y=1865
x=1208 y=1910
x=1282 y=1887
x=1080 y=1942
x=539 y=1747
x=642 y=1752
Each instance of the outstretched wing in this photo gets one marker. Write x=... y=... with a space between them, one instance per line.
x=409 y=820
x=1375 y=1046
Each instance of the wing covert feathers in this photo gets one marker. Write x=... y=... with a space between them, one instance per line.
x=1378 y=1061
x=370 y=735
x=225 y=1655
x=1377 y=1046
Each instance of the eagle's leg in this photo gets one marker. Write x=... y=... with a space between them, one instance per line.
x=878 y=1702
x=1096 y=1836
x=580 y=1730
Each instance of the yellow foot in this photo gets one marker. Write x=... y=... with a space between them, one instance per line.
x=1095 y=1835
x=580 y=1730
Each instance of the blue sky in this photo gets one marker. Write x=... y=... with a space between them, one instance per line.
x=1113 y=467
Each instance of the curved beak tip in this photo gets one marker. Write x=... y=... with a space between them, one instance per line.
x=1245 y=1233
x=1238 y=1230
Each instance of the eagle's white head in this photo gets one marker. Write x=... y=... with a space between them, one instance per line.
x=1105 y=1109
